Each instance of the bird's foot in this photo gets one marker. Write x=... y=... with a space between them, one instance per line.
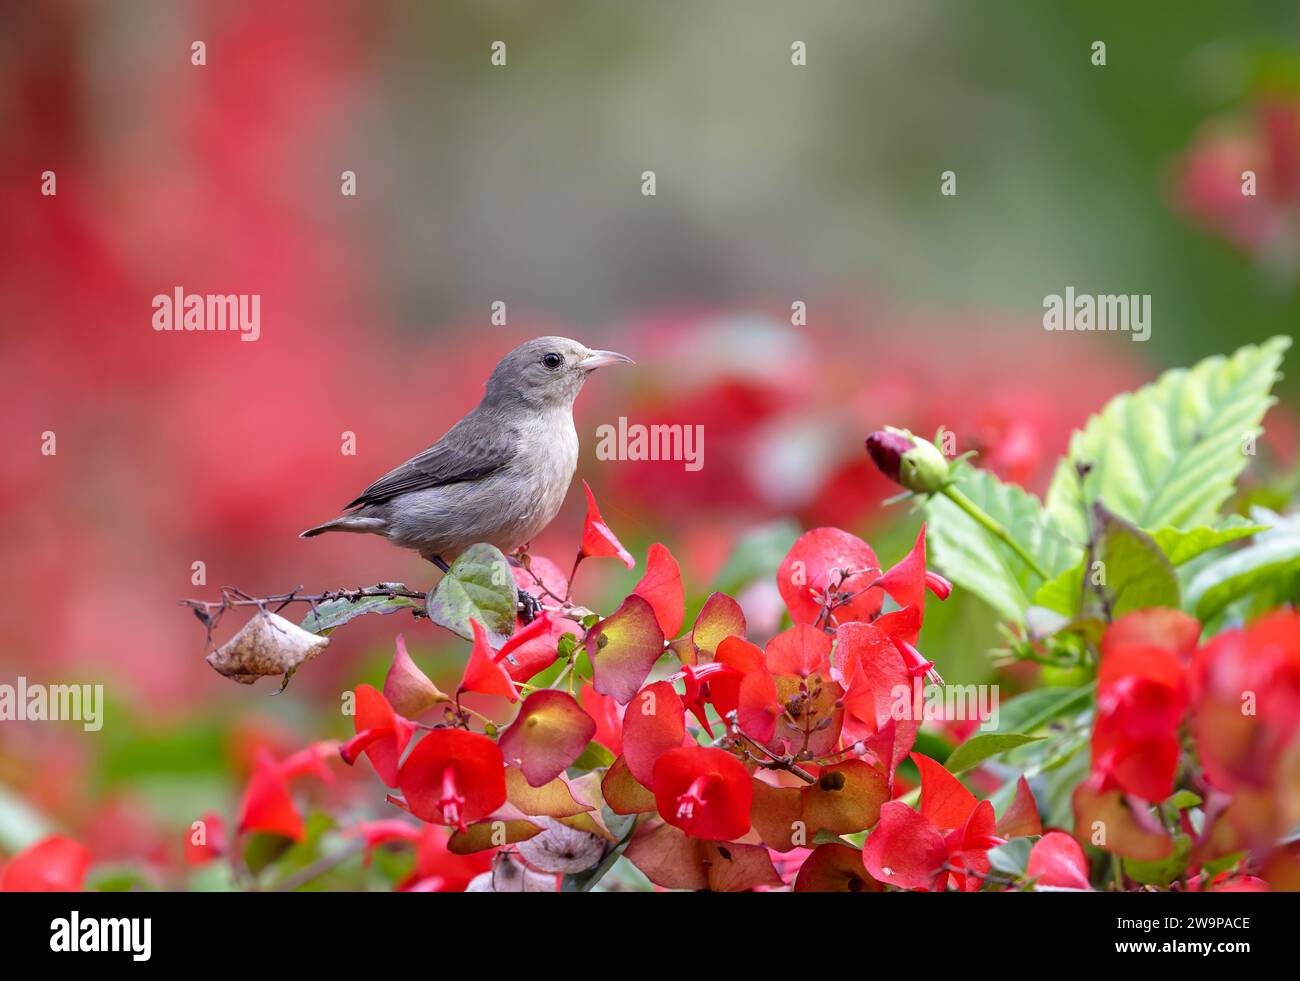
x=529 y=605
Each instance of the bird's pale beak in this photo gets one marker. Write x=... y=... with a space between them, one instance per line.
x=598 y=359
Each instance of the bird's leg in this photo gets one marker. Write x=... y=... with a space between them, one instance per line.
x=529 y=605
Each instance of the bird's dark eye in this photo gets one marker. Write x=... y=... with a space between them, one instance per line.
x=553 y=360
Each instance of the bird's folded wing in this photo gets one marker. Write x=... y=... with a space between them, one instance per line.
x=472 y=449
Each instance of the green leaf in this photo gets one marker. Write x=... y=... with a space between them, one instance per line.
x=1183 y=800
x=1270 y=565
x=981 y=746
x=479 y=587
x=1183 y=546
x=1035 y=709
x=1011 y=858
x=1161 y=871
x=334 y=613
x=593 y=757
x=978 y=561
x=1137 y=574
x=1168 y=455
x=1062 y=593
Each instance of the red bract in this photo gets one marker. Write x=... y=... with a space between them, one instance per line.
x=53 y=864
x=736 y=681
x=1057 y=861
x=661 y=586
x=206 y=842
x=949 y=837
x=382 y=734
x=485 y=672
x=453 y=777
x=408 y=689
x=825 y=575
x=436 y=869
x=607 y=715
x=871 y=666
x=597 y=539
x=623 y=648
x=533 y=647
x=704 y=792
x=801 y=651
x=904 y=850
x=267 y=805
x=1141 y=698
x=907 y=582
x=1246 y=690
x=654 y=723
x=720 y=617
x=549 y=733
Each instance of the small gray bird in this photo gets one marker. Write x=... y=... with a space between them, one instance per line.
x=497 y=476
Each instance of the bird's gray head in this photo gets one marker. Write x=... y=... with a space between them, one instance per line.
x=546 y=372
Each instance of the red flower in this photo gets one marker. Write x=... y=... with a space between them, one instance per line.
x=705 y=792
x=485 y=672
x=948 y=839
x=1245 y=687
x=382 y=734
x=1057 y=861
x=267 y=805
x=207 y=842
x=597 y=539
x=453 y=777
x=653 y=724
x=436 y=869
x=1141 y=698
x=825 y=576
x=661 y=586
x=53 y=864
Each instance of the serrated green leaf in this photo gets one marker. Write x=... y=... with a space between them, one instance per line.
x=976 y=560
x=1270 y=564
x=1182 y=546
x=1168 y=455
x=334 y=613
x=1061 y=594
x=981 y=746
x=478 y=586
x=1137 y=574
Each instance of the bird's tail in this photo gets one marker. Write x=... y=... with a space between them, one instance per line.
x=348 y=522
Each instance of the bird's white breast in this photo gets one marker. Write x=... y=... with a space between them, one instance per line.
x=547 y=459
